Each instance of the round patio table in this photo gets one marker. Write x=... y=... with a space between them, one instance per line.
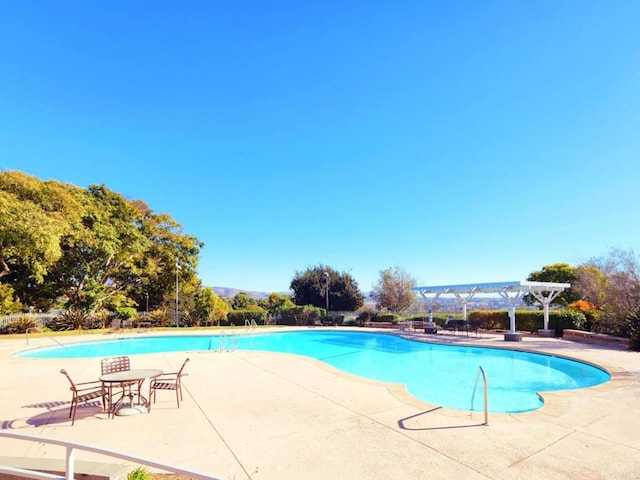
x=137 y=376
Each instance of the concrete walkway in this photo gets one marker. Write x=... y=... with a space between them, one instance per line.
x=254 y=415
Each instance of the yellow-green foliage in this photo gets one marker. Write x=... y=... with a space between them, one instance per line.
x=7 y=304
x=139 y=473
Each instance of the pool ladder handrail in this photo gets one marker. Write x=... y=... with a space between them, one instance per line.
x=486 y=393
x=39 y=330
x=251 y=325
x=228 y=342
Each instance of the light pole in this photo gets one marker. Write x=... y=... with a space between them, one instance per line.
x=177 y=271
x=147 y=304
x=326 y=293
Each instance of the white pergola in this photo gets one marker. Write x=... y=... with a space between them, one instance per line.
x=512 y=292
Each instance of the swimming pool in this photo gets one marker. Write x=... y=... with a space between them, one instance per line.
x=444 y=375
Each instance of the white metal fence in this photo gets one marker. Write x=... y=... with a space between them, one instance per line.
x=71 y=447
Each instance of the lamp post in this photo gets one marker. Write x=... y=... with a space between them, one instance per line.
x=147 y=304
x=326 y=292
x=177 y=271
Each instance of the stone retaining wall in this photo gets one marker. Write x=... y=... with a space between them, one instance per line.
x=597 y=338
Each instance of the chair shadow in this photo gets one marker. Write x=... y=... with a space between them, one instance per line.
x=52 y=416
x=402 y=423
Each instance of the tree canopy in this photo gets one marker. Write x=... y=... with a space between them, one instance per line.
x=393 y=290
x=556 y=273
x=612 y=284
x=61 y=245
x=310 y=288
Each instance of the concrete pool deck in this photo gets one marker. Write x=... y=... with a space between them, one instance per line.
x=253 y=415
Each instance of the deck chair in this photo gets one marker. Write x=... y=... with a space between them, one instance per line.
x=115 y=325
x=117 y=364
x=83 y=392
x=167 y=381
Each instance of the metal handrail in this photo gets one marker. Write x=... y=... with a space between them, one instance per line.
x=70 y=464
x=486 y=393
x=37 y=329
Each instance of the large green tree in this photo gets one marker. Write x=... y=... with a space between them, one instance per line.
x=556 y=273
x=89 y=248
x=210 y=307
x=393 y=290
x=310 y=288
x=34 y=215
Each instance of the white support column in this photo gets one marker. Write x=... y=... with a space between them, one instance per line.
x=512 y=336
x=545 y=301
x=463 y=302
x=70 y=462
x=430 y=301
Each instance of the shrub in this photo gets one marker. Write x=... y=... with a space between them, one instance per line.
x=126 y=313
x=387 y=317
x=300 y=315
x=633 y=328
x=566 y=319
x=417 y=317
x=20 y=325
x=139 y=473
x=491 y=319
x=332 y=319
x=99 y=319
x=352 y=322
x=440 y=318
x=68 y=320
x=190 y=318
x=529 y=320
x=240 y=317
x=365 y=315
x=160 y=318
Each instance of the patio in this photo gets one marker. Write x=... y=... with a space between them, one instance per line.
x=251 y=415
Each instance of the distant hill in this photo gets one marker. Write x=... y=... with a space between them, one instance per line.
x=232 y=292
x=444 y=304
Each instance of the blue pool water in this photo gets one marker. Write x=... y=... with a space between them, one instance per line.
x=444 y=375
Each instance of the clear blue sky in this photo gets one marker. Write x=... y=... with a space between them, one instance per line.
x=464 y=141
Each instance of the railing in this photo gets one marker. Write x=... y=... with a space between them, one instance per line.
x=406 y=326
x=251 y=325
x=37 y=329
x=228 y=342
x=70 y=460
x=486 y=394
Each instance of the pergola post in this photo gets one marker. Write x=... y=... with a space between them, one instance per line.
x=431 y=328
x=512 y=335
x=512 y=292
x=463 y=302
x=545 y=301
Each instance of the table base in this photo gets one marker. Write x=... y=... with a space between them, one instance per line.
x=133 y=410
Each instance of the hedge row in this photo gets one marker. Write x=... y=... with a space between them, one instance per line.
x=526 y=320
x=530 y=320
x=242 y=316
x=299 y=315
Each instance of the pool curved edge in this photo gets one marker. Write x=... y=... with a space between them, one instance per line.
x=400 y=391
x=504 y=347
